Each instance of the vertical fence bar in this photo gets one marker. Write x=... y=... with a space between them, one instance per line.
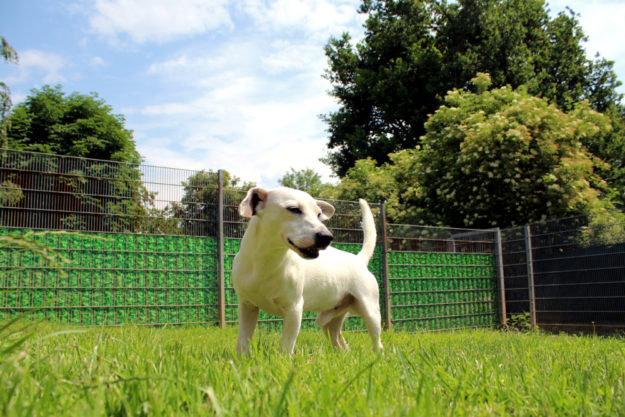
x=387 y=293
x=502 y=288
x=530 y=274
x=220 y=249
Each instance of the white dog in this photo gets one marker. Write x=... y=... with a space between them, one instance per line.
x=283 y=269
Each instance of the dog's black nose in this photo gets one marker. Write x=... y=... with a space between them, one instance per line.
x=323 y=239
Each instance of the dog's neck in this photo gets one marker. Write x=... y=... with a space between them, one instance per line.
x=260 y=244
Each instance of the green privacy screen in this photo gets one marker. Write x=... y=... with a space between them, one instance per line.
x=151 y=239
x=434 y=291
x=114 y=279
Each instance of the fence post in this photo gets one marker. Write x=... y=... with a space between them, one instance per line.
x=220 y=249
x=502 y=288
x=530 y=274
x=387 y=293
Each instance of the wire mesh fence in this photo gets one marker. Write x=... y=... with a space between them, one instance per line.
x=155 y=246
x=54 y=192
x=441 y=278
x=112 y=279
x=567 y=274
x=515 y=271
x=146 y=252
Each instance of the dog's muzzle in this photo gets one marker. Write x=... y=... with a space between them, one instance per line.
x=322 y=241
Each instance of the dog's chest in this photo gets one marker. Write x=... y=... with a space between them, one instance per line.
x=272 y=302
x=272 y=294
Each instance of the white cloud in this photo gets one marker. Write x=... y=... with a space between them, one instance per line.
x=18 y=98
x=248 y=103
x=97 y=61
x=595 y=17
x=161 y=21
x=315 y=17
x=257 y=159
x=169 y=109
x=243 y=126
x=288 y=55
x=45 y=65
x=158 y=21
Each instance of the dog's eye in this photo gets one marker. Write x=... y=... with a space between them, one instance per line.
x=294 y=210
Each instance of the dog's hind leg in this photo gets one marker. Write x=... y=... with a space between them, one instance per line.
x=342 y=341
x=333 y=331
x=248 y=316
x=370 y=313
x=339 y=310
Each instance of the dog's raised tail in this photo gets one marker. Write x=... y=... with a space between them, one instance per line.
x=368 y=227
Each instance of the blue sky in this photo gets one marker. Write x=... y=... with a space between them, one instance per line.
x=209 y=84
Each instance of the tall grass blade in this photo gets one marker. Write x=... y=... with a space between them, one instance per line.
x=278 y=410
x=355 y=377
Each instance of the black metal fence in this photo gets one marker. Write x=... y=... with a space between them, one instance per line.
x=155 y=246
x=566 y=274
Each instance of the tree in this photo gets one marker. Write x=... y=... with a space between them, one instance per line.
x=413 y=52
x=492 y=158
x=7 y=52
x=8 y=55
x=306 y=180
x=5 y=109
x=85 y=194
x=197 y=212
x=504 y=157
x=610 y=147
x=393 y=182
x=386 y=85
x=76 y=125
x=10 y=193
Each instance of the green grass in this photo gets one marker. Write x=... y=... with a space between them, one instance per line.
x=52 y=370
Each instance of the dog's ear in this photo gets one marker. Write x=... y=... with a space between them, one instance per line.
x=327 y=210
x=253 y=202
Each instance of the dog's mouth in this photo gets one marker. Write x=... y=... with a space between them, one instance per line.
x=306 y=253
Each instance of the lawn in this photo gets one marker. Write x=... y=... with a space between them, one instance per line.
x=52 y=370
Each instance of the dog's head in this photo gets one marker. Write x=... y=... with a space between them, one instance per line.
x=293 y=216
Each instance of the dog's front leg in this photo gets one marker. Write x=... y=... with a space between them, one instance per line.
x=248 y=316
x=290 y=327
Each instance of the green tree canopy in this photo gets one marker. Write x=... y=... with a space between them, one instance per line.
x=493 y=158
x=77 y=125
x=197 y=211
x=8 y=55
x=504 y=157
x=106 y=194
x=413 y=52
x=7 y=52
x=306 y=180
x=393 y=182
